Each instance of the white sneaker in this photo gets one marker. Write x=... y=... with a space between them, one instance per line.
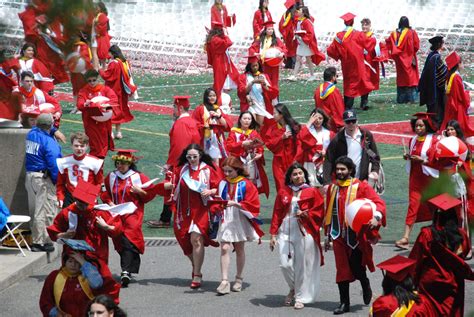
x=292 y=78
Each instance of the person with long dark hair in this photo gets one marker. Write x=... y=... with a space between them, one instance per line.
x=118 y=76
x=307 y=44
x=245 y=142
x=125 y=185
x=226 y=75
x=280 y=136
x=458 y=100
x=100 y=38
x=440 y=251
x=42 y=75
x=420 y=152
x=256 y=92
x=260 y=16
x=403 y=44
x=399 y=291
x=196 y=181
x=213 y=123
x=313 y=140
x=297 y=218
x=432 y=84
x=104 y=306
x=239 y=222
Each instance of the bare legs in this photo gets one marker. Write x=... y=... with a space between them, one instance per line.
x=299 y=63
x=403 y=242
x=197 y=242
x=226 y=249
x=118 y=130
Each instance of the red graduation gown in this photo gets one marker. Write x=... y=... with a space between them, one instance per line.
x=222 y=65
x=99 y=133
x=189 y=208
x=457 y=104
x=119 y=193
x=386 y=305
x=268 y=94
x=235 y=148
x=417 y=183
x=342 y=250
x=71 y=167
x=78 y=80
x=307 y=145
x=286 y=26
x=102 y=35
x=185 y=131
x=284 y=151
x=258 y=20
x=374 y=72
x=87 y=229
x=113 y=77
x=312 y=223
x=42 y=76
x=10 y=106
x=309 y=38
x=198 y=115
x=350 y=51
x=250 y=201
x=219 y=15
x=404 y=55
x=272 y=72
x=440 y=273
x=332 y=104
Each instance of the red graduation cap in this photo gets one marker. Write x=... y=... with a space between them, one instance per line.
x=86 y=192
x=252 y=57
x=426 y=116
x=125 y=155
x=31 y=111
x=182 y=101
x=444 y=202
x=217 y=25
x=289 y=3
x=452 y=60
x=398 y=267
x=348 y=17
x=268 y=23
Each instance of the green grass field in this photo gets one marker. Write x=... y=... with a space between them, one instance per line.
x=148 y=134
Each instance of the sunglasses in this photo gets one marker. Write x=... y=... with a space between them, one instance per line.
x=192 y=157
x=350 y=121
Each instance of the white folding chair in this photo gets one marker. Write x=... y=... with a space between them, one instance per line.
x=13 y=223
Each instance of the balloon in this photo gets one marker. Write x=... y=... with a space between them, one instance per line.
x=75 y=63
x=272 y=57
x=46 y=108
x=451 y=147
x=106 y=114
x=359 y=212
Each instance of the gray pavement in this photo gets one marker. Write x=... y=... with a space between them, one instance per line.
x=162 y=287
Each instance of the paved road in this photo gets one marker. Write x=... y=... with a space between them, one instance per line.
x=162 y=287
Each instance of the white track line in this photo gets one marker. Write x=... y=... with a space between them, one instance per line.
x=393 y=134
x=171 y=86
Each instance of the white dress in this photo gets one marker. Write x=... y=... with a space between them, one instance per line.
x=302 y=49
x=299 y=257
x=258 y=101
x=234 y=226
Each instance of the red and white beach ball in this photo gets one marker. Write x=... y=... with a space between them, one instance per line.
x=47 y=108
x=359 y=212
x=75 y=63
x=106 y=114
x=272 y=57
x=451 y=147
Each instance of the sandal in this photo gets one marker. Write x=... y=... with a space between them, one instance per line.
x=290 y=297
x=224 y=288
x=402 y=244
x=299 y=305
x=197 y=281
x=237 y=287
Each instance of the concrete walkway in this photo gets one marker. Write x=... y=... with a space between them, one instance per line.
x=162 y=287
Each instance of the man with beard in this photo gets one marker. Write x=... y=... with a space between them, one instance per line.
x=352 y=251
x=328 y=97
x=185 y=131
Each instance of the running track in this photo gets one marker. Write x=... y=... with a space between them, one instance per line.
x=384 y=132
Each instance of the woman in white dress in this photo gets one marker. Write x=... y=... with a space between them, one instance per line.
x=297 y=218
x=239 y=222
